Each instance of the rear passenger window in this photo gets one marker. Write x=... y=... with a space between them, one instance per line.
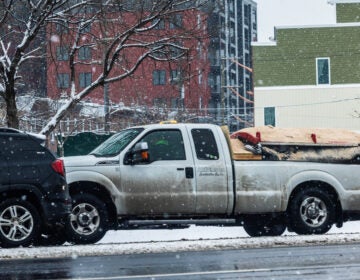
x=205 y=144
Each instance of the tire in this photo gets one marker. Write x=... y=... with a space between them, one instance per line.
x=258 y=225
x=20 y=223
x=312 y=211
x=88 y=219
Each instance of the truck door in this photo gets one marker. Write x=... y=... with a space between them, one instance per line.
x=213 y=190
x=166 y=185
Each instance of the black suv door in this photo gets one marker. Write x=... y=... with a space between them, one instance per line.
x=4 y=172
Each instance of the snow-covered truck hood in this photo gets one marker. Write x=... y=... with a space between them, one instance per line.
x=74 y=161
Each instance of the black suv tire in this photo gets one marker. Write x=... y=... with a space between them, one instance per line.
x=20 y=223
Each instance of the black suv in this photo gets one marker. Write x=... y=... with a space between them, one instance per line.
x=34 y=196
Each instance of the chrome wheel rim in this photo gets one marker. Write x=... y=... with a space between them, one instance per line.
x=313 y=212
x=84 y=219
x=16 y=223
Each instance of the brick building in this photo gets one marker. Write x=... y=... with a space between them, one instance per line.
x=171 y=84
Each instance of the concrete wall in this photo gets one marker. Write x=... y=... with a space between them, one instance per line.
x=310 y=106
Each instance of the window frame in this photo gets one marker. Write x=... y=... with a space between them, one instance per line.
x=157 y=78
x=85 y=83
x=176 y=22
x=160 y=25
x=317 y=71
x=198 y=149
x=272 y=111
x=84 y=53
x=60 y=78
x=62 y=53
x=166 y=137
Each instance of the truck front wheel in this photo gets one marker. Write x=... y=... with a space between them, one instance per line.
x=257 y=225
x=312 y=211
x=88 y=219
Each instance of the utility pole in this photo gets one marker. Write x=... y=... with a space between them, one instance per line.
x=106 y=108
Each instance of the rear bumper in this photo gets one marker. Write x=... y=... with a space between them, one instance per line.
x=56 y=207
x=56 y=211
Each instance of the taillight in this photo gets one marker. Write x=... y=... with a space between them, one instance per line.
x=58 y=166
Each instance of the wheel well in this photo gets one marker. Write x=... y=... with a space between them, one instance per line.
x=100 y=192
x=324 y=187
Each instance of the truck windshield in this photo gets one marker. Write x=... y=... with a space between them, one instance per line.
x=116 y=143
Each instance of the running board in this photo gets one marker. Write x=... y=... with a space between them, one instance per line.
x=182 y=222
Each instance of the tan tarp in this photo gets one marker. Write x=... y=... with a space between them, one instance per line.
x=296 y=144
x=320 y=136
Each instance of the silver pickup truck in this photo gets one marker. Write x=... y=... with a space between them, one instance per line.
x=175 y=175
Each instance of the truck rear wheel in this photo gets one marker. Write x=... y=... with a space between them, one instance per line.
x=312 y=211
x=20 y=223
x=258 y=225
x=88 y=219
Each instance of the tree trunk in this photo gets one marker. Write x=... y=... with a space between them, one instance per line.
x=11 y=108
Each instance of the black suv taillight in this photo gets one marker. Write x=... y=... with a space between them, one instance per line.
x=58 y=166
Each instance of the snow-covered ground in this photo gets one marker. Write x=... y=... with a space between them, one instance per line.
x=191 y=239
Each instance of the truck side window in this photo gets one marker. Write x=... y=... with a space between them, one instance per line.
x=205 y=144
x=165 y=145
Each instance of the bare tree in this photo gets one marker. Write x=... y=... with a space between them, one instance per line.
x=127 y=35
x=21 y=23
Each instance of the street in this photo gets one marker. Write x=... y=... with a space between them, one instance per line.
x=306 y=262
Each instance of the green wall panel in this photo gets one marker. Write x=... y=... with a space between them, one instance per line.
x=349 y=12
x=293 y=60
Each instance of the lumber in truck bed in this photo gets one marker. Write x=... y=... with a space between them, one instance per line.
x=296 y=144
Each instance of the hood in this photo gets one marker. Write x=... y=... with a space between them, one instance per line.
x=87 y=160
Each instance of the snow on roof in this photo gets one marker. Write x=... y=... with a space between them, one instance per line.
x=332 y=2
x=334 y=25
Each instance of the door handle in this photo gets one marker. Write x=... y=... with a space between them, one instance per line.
x=189 y=172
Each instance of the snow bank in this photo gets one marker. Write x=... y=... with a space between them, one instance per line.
x=191 y=239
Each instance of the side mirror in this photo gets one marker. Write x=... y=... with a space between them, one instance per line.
x=139 y=154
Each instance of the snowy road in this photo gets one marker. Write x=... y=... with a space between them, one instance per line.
x=191 y=239
x=321 y=262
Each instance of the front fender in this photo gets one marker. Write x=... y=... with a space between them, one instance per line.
x=95 y=177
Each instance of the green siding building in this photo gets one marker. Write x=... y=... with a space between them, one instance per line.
x=310 y=76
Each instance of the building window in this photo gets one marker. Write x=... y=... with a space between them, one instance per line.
x=160 y=102
x=62 y=28
x=160 y=24
x=86 y=28
x=175 y=77
x=159 y=77
x=84 y=53
x=269 y=116
x=176 y=22
x=200 y=77
x=247 y=39
x=323 y=71
x=62 y=53
x=85 y=79
x=62 y=80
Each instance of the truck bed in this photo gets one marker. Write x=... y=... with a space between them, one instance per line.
x=296 y=144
